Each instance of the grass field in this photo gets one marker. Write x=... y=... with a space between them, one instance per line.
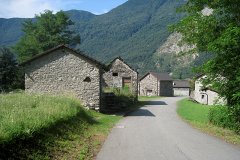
x=48 y=127
x=198 y=116
x=193 y=111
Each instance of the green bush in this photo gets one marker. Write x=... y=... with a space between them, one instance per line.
x=227 y=117
x=124 y=97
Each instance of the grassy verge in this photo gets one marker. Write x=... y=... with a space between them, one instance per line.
x=43 y=127
x=198 y=116
x=147 y=98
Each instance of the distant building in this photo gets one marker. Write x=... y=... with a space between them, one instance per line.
x=206 y=95
x=121 y=75
x=181 y=88
x=62 y=70
x=156 y=84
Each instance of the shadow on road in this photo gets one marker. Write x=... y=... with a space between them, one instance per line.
x=151 y=103
x=141 y=112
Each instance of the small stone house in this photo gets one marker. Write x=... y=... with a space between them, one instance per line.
x=62 y=70
x=121 y=75
x=206 y=95
x=181 y=88
x=156 y=84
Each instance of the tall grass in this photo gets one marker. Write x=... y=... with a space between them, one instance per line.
x=21 y=115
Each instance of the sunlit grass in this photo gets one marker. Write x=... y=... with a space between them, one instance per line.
x=50 y=127
x=198 y=116
x=23 y=114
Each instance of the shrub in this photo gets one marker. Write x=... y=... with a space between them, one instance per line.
x=227 y=117
x=124 y=97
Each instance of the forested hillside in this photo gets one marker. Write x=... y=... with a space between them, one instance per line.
x=134 y=30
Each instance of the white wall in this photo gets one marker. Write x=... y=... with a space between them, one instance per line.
x=181 y=91
x=208 y=97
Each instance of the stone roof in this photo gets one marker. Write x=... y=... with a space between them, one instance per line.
x=120 y=58
x=181 y=84
x=159 y=76
x=79 y=54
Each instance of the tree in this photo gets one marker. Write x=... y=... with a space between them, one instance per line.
x=9 y=72
x=45 y=32
x=218 y=33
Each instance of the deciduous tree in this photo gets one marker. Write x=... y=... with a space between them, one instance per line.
x=216 y=32
x=46 y=31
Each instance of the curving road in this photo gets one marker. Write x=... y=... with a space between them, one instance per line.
x=155 y=132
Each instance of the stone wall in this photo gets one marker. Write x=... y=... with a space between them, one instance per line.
x=61 y=72
x=149 y=86
x=118 y=71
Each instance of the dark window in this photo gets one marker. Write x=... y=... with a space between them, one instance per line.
x=87 y=79
x=115 y=74
x=202 y=96
x=149 y=91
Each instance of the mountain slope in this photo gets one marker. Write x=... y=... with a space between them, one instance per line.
x=10 y=30
x=135 y=30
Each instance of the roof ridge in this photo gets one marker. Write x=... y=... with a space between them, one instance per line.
x=71 y=49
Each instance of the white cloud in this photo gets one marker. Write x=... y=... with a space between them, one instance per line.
x=24 y=8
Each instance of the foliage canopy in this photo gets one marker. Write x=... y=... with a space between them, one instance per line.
x=9 y=72
x=218 y=33
x=47 y=31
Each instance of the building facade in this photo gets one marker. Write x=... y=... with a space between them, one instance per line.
x=62 y=70
x=121 y=75
x=206 y=95
x=181 y=88
x=156 y=84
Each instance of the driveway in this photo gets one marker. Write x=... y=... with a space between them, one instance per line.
x=155 y=132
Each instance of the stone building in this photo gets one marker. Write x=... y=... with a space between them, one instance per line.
x=181 y=88
x=121 y=75
x=156 y=84
x=206 y=95
x=62 y=70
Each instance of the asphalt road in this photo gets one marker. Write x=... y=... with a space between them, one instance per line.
x=155 y=132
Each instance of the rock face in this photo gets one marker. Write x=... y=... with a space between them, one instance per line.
x=121 y=75
x=171 y=57
x=172 y=45
x=62 y=71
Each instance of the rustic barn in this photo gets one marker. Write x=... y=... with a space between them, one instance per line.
x=206 y=95
x=121 y=75
x=62 y=70
x=181 y=88
x=156 y=84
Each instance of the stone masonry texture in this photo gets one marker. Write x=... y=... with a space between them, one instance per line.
x=61 y=72
x=123 y=71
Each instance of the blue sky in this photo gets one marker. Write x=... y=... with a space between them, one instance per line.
x=28 y=8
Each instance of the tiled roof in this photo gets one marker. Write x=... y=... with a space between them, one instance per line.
x=159 y=76
x=181 y=84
